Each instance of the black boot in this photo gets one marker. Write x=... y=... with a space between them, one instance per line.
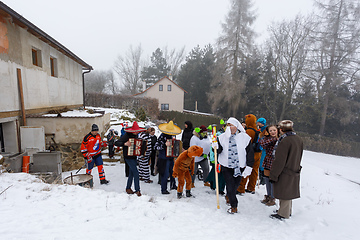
x=104 y=181
x=188 y=193
x=179 y=195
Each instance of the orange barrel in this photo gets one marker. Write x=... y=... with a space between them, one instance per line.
x=25 y=164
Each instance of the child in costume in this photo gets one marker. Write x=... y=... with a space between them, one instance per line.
x=184 y=163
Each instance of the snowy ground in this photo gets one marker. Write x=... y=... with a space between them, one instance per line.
x=328 y=208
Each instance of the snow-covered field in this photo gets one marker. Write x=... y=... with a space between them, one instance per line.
x=328 y=208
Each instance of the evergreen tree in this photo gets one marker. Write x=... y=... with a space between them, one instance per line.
x=157 y=70
x=195 y=78
x=233 y=48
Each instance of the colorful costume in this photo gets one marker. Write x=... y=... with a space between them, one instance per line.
x=91 y=150
x=184 y=164
x=250 y=121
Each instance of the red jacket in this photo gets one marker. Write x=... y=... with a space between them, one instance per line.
x=91 y=145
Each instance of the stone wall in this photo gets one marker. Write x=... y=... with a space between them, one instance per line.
x=71 y=157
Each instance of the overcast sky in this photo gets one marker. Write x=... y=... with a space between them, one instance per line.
x=98 y=31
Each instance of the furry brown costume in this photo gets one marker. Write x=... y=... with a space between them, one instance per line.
x=183 y=163
x=250 y=121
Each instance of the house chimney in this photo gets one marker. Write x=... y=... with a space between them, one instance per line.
x=170 y=77
x=196 y=110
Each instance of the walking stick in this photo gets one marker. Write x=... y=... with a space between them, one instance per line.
x=216 y=170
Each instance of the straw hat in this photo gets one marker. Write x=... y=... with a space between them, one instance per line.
x=169 y=128
x=135 y=128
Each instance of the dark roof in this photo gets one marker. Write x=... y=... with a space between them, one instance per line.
x=157 y=82
x=31 y=28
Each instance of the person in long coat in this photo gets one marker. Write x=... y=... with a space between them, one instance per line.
x=285 y=170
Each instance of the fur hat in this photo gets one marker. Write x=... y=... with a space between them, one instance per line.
x=286 y=125
x=169 y=128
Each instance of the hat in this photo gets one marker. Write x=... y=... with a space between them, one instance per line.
x=94 y=127
x=262 y=121
x=169 y=128
x=203 y=129
x=135 y=128
x=286 y=125
x=236 y=123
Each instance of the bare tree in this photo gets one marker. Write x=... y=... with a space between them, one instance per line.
x=174 y=59
x=98 y=81
x=289 y=41
x=233 y=47
x=112 y=85
x=335 y=54
x=128 y=68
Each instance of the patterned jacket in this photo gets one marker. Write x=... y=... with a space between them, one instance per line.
x=268 y=144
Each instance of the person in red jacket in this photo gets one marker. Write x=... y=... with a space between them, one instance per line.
x=91 y=149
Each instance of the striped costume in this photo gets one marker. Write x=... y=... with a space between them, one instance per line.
x=143 y=161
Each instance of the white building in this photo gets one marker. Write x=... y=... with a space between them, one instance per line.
x=169 y=94
x=37 y=74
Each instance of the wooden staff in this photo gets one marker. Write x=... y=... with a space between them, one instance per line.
x=214 y=140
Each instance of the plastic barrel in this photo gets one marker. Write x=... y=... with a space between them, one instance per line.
x=25 y=164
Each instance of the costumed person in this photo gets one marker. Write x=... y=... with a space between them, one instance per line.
x=261 y=124
x=124 y=141
x=111 y=141
x=153 y=151
x=200 y=139
x=184 y=164
x=165 y=164
x=211 y=177
x=253 y=132
x=236 y=157
x=122 y=133
x=144 y=160
x=285 y=169
x=91 y=150
x=187 y=134
x=268 y=143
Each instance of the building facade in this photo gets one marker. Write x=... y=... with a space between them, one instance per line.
x=169 y=94
x=37 y=74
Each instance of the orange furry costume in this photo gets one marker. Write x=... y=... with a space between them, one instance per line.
x=183 y=163
x=250 y=121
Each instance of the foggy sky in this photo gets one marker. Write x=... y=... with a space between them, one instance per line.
x=98 y=31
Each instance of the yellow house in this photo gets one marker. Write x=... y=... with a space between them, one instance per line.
x=169 y=94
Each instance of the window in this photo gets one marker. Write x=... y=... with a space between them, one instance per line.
x=169 y=88
x=160 y=87
x=164 y=106
x=36 y=57
x=53 y=67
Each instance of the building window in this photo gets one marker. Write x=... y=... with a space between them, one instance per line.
x=53 y=67
x=169 y=88
x=160 y=87
x=36 y=57
x=164 y=106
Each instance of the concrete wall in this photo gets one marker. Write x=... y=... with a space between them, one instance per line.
x=175 y=97
x=10 y=136
x=70 y=129
x=40 y=89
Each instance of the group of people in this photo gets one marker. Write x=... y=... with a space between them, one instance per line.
x=240 y=159
x=243 y=149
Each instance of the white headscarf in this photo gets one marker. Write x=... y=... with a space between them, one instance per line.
x=236 y=123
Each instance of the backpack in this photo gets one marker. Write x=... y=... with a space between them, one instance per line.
x=256 y=145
